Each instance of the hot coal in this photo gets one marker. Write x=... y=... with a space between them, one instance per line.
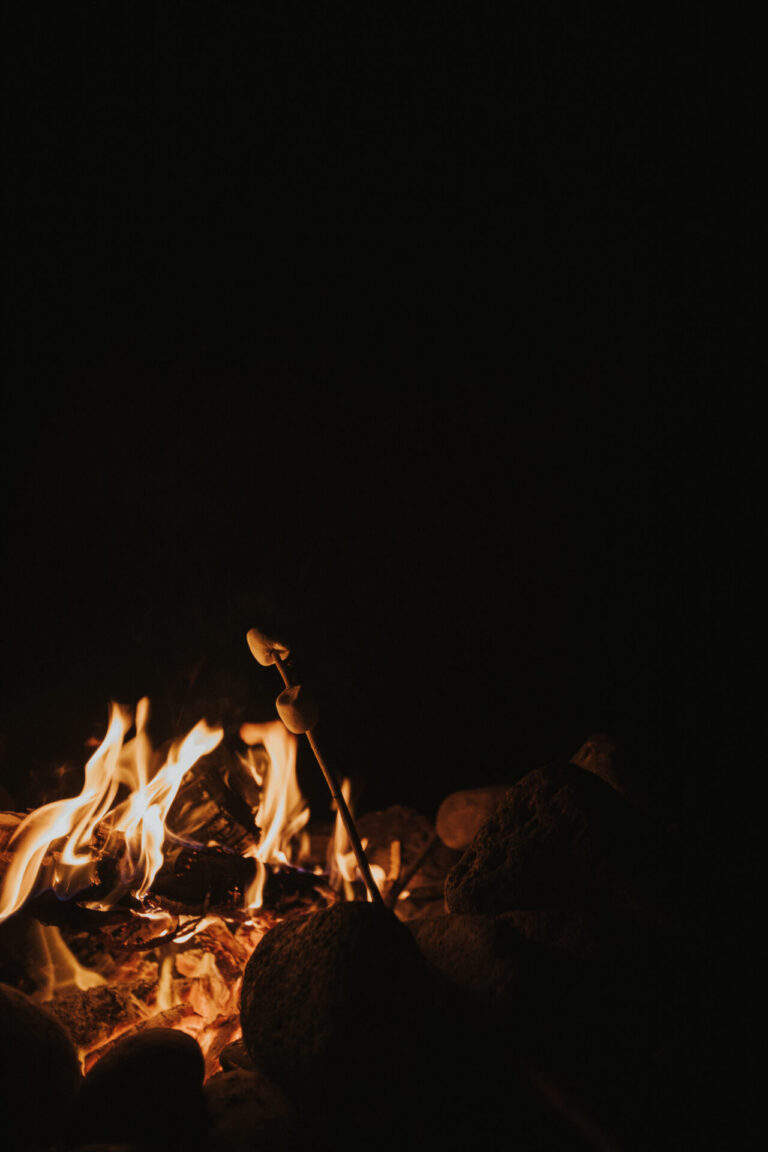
x=39 y=1073
x=92 y=1015
x=147 y=1089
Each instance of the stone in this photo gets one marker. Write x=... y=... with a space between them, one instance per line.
x=564 y=930
x=559 y=838
x=560 y=992
x=247 y=1113
x=236 y=1055
x=477 y=955
x=598 y=755
x=335 y=1008
x=147 y=1089
x=39 y=1073
x=461 y=814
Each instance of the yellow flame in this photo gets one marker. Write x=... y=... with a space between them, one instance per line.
x=60 y=969
x=343 y=861
x=139 y=822
x=282 y=811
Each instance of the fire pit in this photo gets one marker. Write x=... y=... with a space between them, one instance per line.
x=201 y=965
x=146 y=894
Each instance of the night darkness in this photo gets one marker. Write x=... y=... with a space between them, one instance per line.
x=391 y=326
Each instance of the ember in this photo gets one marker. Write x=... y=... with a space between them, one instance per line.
x=155 y=920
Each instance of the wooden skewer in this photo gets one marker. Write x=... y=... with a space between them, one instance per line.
x=341 y=804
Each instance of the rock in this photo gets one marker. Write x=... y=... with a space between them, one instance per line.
x=598 y=755
x=246 y=1112
x=559 y=838
x=20 y=954
x=564 y=930
x=476 y=954
x=39 y=1073
x=513 y=985
x=336 y=1009
x=147 y=1089
x=236 y=1055
x=461 y=814
x=558 y=992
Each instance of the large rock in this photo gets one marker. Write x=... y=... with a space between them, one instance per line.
x=561 y=837
x=148 y=1090
x=478 y=955
x=248 y=1113
x=562 y=993
x=39 y=1073
x=336 y=1007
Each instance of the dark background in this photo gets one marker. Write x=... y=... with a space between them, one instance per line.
x=397 y=328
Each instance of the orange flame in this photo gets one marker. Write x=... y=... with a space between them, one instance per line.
x=343 y=862
x=282 y=811
x=138 y=822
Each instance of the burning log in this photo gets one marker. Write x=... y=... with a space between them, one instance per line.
x=190 y=837
x=95 y=1015
x=211 y=880
x=225 y=1030
x=209 y=808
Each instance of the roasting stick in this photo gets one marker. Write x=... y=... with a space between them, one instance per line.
x=300 y=715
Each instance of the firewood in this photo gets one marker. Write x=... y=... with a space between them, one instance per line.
x=209 y=879
x=93 y=1015
x=206 y=809
x=205 y=876
x=225 y=1029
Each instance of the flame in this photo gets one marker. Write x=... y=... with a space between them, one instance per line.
x=120 y=816
x=137 y=824
x=343 y=862
x=61 y=971
x=282 y=812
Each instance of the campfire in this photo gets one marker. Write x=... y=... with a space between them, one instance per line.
x=151 y=888
x=184 y=922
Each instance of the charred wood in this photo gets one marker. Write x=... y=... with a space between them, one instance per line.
x=171 y=1018
x=93 y=1015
